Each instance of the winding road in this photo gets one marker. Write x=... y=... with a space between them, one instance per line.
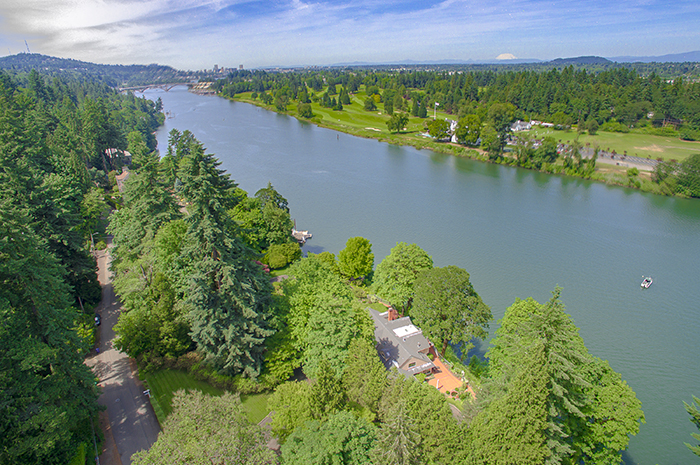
x=129 y=423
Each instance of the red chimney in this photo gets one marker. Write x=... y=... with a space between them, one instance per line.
x=393 y=314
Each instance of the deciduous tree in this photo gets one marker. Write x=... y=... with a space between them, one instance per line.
x=469 y=130
x=203 y=429
x=396 y=274
x=397 y=122
x=439 y=129
x=356 y=260
x=448 y=309
x=343 y=439
x=292 y=407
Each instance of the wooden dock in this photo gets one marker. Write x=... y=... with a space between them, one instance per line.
x=301 y=236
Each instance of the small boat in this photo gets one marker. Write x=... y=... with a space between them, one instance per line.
x=647 y=282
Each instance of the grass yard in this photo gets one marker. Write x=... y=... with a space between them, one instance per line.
x=354 y=119
x=164 y=383
x=636 y=144
x=255 y=406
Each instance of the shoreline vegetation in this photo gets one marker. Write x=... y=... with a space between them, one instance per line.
x=613 y=136
x=607 y=173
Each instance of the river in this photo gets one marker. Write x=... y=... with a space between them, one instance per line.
x=517 y=232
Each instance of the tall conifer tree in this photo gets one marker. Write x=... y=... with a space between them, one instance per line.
x=228 y=296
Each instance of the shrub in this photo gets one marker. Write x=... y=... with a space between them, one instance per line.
x=280 y=255
x=689 y=134
x=101 y=245
x=614 y=126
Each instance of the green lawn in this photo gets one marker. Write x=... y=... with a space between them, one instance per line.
x=636 y=144
x=255 y=406
x=354 y=119
x=164 y=383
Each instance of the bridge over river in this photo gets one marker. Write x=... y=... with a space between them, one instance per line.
x=144 y=87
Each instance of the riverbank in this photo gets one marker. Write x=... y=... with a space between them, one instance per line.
x=372 y=125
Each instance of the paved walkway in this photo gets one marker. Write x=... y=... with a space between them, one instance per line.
x=132 y=424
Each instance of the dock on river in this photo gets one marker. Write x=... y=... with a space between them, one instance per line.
x=301 y=236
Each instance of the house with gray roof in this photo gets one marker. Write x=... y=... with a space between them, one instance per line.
x=401 y=344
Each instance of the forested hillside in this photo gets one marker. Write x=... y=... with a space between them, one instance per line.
x=54 y=174
x=113 y=75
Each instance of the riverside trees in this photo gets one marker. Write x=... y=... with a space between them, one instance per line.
x=396 y=274
x=590 y=410
x=448 y=309
x=194 y=276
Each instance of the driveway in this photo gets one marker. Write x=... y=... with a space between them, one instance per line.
x=132 y=424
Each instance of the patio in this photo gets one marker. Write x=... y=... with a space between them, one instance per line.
x=444 y=380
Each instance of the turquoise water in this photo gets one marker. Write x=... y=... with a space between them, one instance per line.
x=517 y=232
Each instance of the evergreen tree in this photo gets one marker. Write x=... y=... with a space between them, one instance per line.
x=365 y=376
x=414 y=107
x=590 y=410
x=327 y=394
x=512 y=429
x=228 y=297
x=694 y=413
x=398 y=441
x=47 y=394
x=430 y=412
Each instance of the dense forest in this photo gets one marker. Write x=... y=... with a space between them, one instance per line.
x=54 y=173
x=618 y=96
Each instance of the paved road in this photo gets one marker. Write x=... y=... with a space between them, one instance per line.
x=132 y=422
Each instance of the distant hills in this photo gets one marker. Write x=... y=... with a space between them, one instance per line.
x=134 y=75
x=672 y=58
x=579 y=61
x=114 y=75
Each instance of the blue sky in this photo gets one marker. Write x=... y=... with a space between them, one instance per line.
x=190 y=34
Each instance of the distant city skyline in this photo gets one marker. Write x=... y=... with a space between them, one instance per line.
x=189 y=34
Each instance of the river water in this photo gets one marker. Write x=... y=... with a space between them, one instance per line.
x=517 y=232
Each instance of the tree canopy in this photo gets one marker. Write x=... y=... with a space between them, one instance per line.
x=448 y=309
x=356 y=260
x=591 y=411
x=398 y=271
x=204 y=429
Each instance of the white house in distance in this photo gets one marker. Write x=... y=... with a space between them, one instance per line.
x=520 y=126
